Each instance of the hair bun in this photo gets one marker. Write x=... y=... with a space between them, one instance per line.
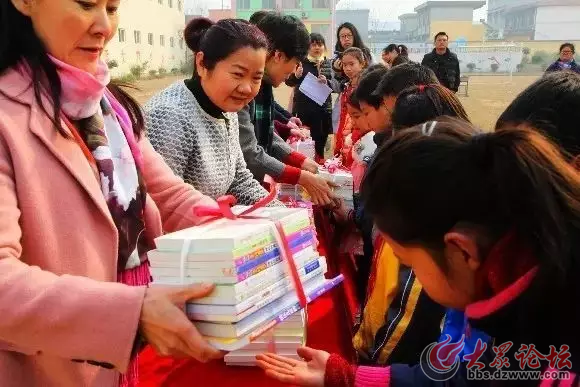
x=195 y=30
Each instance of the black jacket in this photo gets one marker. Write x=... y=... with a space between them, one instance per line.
x=446 y=67
x=302 y=104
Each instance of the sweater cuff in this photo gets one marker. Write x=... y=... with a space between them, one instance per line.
x=290 y=175
x=373 y=377
x=338 y=373
x=295 y=159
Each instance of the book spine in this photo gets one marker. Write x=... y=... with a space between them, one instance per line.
x=273 y=261
x=287 y=312
x=274 y=251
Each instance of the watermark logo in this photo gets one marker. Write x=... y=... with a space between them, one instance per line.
x=440 y=361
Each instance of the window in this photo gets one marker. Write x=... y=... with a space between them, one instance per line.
x=324 y=30
x=170 y=2
x=137 y=36
x=181 y=43
x=122 y=36
x=244 y=4
x=150 y=39
x=179 y=5
x=162 y=40
x=320 y=3
x=290 y=4
x=268 y=4
x=160 y=2
x=172 y=41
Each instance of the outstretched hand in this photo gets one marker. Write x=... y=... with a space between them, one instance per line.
x=307 y=373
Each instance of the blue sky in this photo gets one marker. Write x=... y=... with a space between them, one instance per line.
x=386 y=10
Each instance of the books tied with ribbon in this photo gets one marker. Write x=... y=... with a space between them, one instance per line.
x=334 y=172
x=266 y=268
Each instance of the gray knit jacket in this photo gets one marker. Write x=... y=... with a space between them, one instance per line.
x=203 y=150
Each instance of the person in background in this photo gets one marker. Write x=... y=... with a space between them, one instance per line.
x=550 y=105
x=501 y=256
x=285 y=124
x=347 y=36
x=264 y=151
x=83 y=196
x=566 y=60
x=194 y=125
x=317 y=118
x=353 y=63
x=394 y=55
x=444 y=63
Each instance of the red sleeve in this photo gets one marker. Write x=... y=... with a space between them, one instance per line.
x=295 y=159
x=339 y=373
x=282 y=129
x=290 y=175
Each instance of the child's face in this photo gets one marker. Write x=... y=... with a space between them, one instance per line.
x=351 y=66
x=316 y=49
x=359 y=120
x=378 y=119
x=454 y=288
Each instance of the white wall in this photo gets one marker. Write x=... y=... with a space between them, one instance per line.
x=558 y=23
x=149 y=17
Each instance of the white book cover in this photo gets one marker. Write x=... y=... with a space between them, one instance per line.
x=235 y=313
x=227 y=234
x=227 y=294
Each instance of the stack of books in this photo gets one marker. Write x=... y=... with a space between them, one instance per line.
x=254 y=291
x=343 y=179
x=294 y=192
x=284 y=340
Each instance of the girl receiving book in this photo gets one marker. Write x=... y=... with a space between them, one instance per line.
x=353 y=64
x=497 y=236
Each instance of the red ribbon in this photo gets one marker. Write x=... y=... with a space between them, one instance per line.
x=224 y=210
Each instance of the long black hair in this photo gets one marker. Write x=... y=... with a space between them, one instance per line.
x=430 y=178
x=356 y=39
x=552 y=106
x=19 y=43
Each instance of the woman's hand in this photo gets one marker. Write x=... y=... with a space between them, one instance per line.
x=320 y=190
x=295 y=120
x=165 y=326
x=321 y=78
x=308 y=373
x=337 y=65
x=310 y=165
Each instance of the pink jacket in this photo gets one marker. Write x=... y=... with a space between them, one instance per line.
x=58 y=251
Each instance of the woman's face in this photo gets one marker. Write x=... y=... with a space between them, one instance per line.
x=73 y=31
x=234 y=81
x=316 y=49
x=351 y=66
x=454 y=288
x=389 y=57
x=567 y=54
x=346 y=38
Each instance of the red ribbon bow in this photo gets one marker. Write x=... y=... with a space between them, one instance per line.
x=224 y=210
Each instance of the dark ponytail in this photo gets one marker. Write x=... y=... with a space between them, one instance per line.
x=219 y=40
x=403 y=50
x=435 y=176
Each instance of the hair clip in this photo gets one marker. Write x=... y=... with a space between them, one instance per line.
x=421 y=88
x=428 y=131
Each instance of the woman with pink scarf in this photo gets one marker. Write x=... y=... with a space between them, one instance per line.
x=82 y=196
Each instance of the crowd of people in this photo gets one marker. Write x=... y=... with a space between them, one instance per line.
x=462 y=232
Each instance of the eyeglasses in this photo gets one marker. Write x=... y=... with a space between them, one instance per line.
x=567 y=52
x=346 y=36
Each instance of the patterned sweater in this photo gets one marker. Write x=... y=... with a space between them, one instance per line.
x=199 y=147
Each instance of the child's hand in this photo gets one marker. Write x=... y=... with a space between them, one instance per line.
x=299 y=71
x=341 y=213
x=308 y=373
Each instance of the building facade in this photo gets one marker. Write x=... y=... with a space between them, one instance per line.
x=453 y=17
x=315 y=14
x=535 y=19
x=150 y=35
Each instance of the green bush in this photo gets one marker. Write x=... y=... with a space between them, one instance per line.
x=137 y=71
x=127 y=78
x=152 y=73
x=112 y=64
x=520 y=67
x=471 y=67
x=187 y=68
x=174 y=71
x=541 y=57
x=526 y=50
x=494 y=67
x=162 y=71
